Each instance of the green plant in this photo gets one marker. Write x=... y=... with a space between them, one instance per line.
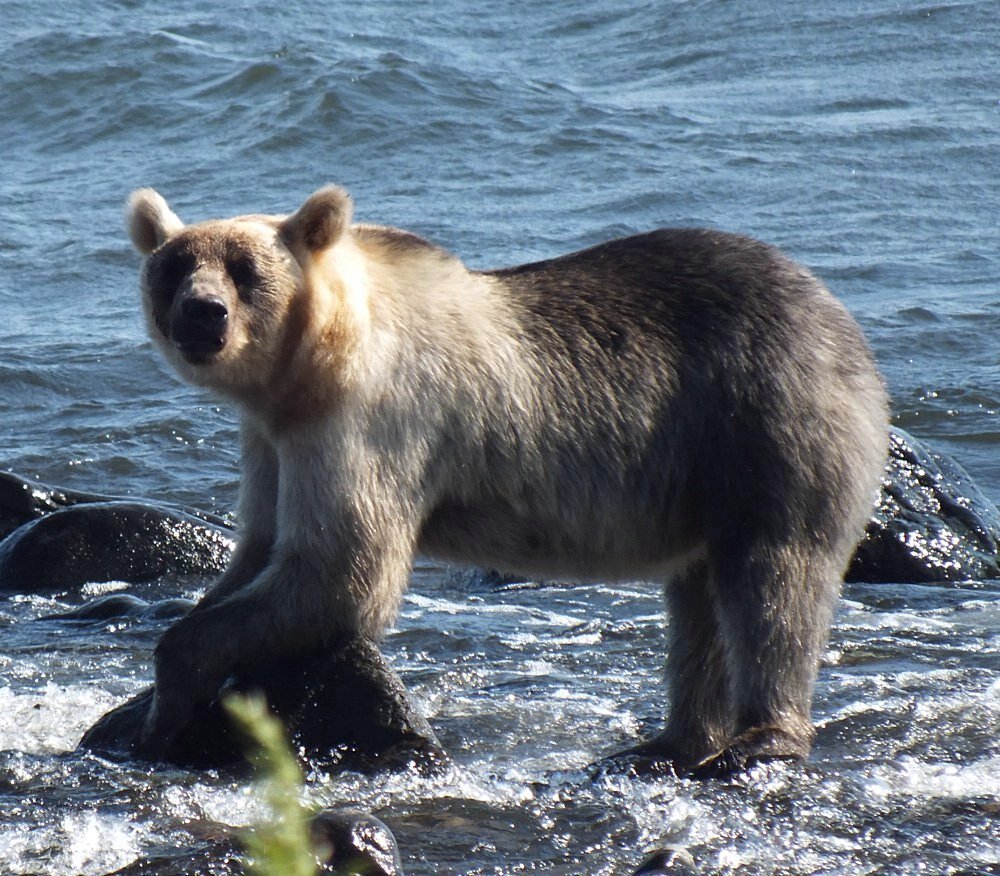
x=281 y=846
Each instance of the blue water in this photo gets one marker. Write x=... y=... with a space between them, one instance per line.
x=863 y=137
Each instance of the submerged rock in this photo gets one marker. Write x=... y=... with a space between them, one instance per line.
x=932 y=522
x=344 y=710
x=125 y=605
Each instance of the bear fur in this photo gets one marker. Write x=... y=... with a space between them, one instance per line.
x=684 y=406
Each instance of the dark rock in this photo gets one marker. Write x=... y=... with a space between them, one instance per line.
x=347 y=842
x=668 y=862
x=355 y=842
x=932 y=523
x=109 y=541
x=490 y=581
x=168 y=609
x=358 y=714
x=22 y=501
x=344 y=710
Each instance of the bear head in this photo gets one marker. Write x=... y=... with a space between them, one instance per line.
x=233 y=303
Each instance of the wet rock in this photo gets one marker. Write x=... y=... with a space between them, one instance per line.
x=344 y=710
x=114 y=605
x=22 y=501
x=168 y=609
x=358 y=715
x=110 y=541
x=55 y=539
x=932 y=523
x=489 y=581
x=355 y=842
x=347 y=842
x=671 y=861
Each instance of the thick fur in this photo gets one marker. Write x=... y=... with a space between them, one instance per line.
x=685 y=406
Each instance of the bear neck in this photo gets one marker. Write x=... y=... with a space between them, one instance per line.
x=319 y=358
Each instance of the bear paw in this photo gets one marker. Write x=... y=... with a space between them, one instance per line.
x=754 y=746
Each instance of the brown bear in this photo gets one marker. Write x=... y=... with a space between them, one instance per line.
x=684 y=406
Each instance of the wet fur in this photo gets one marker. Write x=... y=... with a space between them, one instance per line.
x=685 y=406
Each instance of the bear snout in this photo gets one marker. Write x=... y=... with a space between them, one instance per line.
x=199 y=327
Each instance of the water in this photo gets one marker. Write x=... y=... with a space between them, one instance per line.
x=862 y=137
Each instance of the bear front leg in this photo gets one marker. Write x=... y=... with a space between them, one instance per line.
x=192 y=660
x=308 y=596
x=257 y=511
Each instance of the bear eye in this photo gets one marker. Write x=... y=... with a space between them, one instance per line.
x=167 y=272
x=243 y=273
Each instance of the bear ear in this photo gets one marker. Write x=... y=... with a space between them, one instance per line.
x=150 y=220
x=321 y=221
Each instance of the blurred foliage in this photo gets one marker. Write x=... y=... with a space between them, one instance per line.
x=281 y=846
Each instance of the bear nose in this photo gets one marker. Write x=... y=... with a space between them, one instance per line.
x=208 y=313
x=199 y=327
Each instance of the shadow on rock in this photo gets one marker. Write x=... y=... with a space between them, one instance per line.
x=344 y=710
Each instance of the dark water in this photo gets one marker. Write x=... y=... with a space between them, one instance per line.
x=863 y=137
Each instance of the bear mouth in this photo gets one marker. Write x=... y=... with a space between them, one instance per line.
x=201 y=350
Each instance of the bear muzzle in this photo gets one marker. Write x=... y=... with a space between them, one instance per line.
x=199 y=327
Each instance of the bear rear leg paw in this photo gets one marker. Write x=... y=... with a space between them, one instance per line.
x=754 y=746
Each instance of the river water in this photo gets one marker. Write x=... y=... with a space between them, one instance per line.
x=863 y=137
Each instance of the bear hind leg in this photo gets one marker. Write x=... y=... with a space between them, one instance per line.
x=701 y=712
x=775 y=605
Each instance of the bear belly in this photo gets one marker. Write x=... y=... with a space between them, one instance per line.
x=575 y=546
